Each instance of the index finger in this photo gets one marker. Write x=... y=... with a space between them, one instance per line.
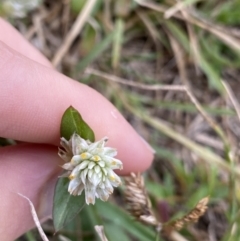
x=10 y=36
x=34 y=97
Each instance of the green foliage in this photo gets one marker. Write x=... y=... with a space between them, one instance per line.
x=95 y=52
x=72 y=122
x=89 y=40
x=129 y=40
x=77 y=5
x=65 y=206
x=114 y=215
x=228 y=13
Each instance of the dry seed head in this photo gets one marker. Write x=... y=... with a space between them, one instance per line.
x=193 y=215
x=137 y=199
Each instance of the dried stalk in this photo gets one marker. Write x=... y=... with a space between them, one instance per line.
x=138 y=202
x=73 y=32
x=192 y=216
x=139 y=206
x=101 y=233
x=35 y=218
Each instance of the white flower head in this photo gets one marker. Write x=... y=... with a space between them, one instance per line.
x=90 y=167
x=19 y=8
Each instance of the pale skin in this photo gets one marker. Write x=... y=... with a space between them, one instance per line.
x=33 y=97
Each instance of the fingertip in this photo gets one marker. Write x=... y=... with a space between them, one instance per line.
x=137 y=158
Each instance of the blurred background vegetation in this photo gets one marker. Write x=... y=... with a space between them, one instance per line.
x=172 y=68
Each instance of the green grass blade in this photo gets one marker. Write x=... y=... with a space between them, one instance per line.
x=121 y=219
x=96 y=52
x=117 y=43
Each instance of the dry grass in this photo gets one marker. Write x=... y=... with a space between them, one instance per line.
x=172 y=68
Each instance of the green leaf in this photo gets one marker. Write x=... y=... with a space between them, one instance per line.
x=65 y=206
x=212 y=74
x=88 y=41
x=117 y=43
x=96 y=52
x=72 y=122
x=116 y=216
x=77 y=5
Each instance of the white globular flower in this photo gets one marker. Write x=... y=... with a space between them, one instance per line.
x=19 y=8
x=90 y=167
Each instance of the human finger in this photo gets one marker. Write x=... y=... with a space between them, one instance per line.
x=34 y=98
x=10 y=36
x=31 y=170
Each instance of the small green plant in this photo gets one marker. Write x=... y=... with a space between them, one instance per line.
x=88 y=167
